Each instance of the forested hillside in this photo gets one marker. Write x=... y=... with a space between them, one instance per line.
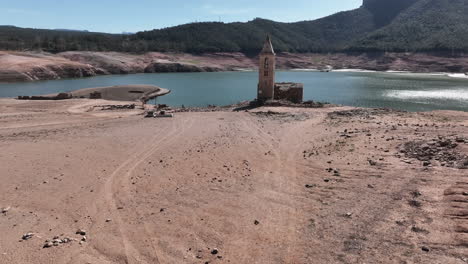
x=428 y=25
x=378 y=25
x=14 y=38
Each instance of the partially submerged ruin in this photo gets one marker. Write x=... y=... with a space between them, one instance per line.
x=267 y=88
x=289 y=91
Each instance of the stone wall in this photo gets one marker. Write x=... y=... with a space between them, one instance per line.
x=293 y=92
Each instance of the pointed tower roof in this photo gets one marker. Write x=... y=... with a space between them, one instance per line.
x=267 y=46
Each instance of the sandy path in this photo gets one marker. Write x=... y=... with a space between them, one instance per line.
x=254 y=186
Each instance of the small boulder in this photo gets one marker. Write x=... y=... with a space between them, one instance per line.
x=48 y=245
x=27 y=236
x=5 y=210
x=81 y=232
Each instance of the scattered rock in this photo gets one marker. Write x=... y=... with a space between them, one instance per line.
x=115 y=107
x=360 y=113
x=48 y=245
x=256 y=222
x=27 y=236
x=214 y=251
x=57 y=241
x=419 y=230
x=415 y=203
x=425 y=249
x=5 y=210
x=108 y=220
x=81 y=232
x=441 y=149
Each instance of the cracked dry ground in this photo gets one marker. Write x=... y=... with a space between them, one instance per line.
x=287 y=186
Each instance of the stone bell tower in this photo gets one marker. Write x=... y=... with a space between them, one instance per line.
x=266 y=83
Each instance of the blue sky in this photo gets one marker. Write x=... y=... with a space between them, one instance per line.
x=117 y=16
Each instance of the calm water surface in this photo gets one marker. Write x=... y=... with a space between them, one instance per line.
x=412 y=92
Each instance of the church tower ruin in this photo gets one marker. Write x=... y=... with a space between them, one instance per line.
x=266 y=84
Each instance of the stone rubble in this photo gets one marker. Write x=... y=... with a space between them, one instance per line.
x=61 y=240
x=444 y=150
x=57 y=241
x=116 y=107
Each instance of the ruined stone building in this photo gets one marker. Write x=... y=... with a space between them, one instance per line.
x=266 y=84
x=267 y=88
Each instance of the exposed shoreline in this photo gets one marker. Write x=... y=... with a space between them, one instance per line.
x=267 y=185
x=125 y=93
x=35 y=66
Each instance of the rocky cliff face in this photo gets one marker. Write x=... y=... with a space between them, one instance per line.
x=25 y=66
x=385 y=11
x=39 y=66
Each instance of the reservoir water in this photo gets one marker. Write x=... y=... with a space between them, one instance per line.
x=411 y=92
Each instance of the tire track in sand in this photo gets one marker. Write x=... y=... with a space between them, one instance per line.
x=118 y=180
x=270 y=193
x=282 y=184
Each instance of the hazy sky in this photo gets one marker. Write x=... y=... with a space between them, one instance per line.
x=135 y=15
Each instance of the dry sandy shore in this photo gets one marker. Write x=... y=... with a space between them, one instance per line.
x=229 y=187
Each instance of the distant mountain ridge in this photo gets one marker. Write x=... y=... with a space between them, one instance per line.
x=378 y=25
x=385 y=11
x=73 y=30
x=424 y=26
